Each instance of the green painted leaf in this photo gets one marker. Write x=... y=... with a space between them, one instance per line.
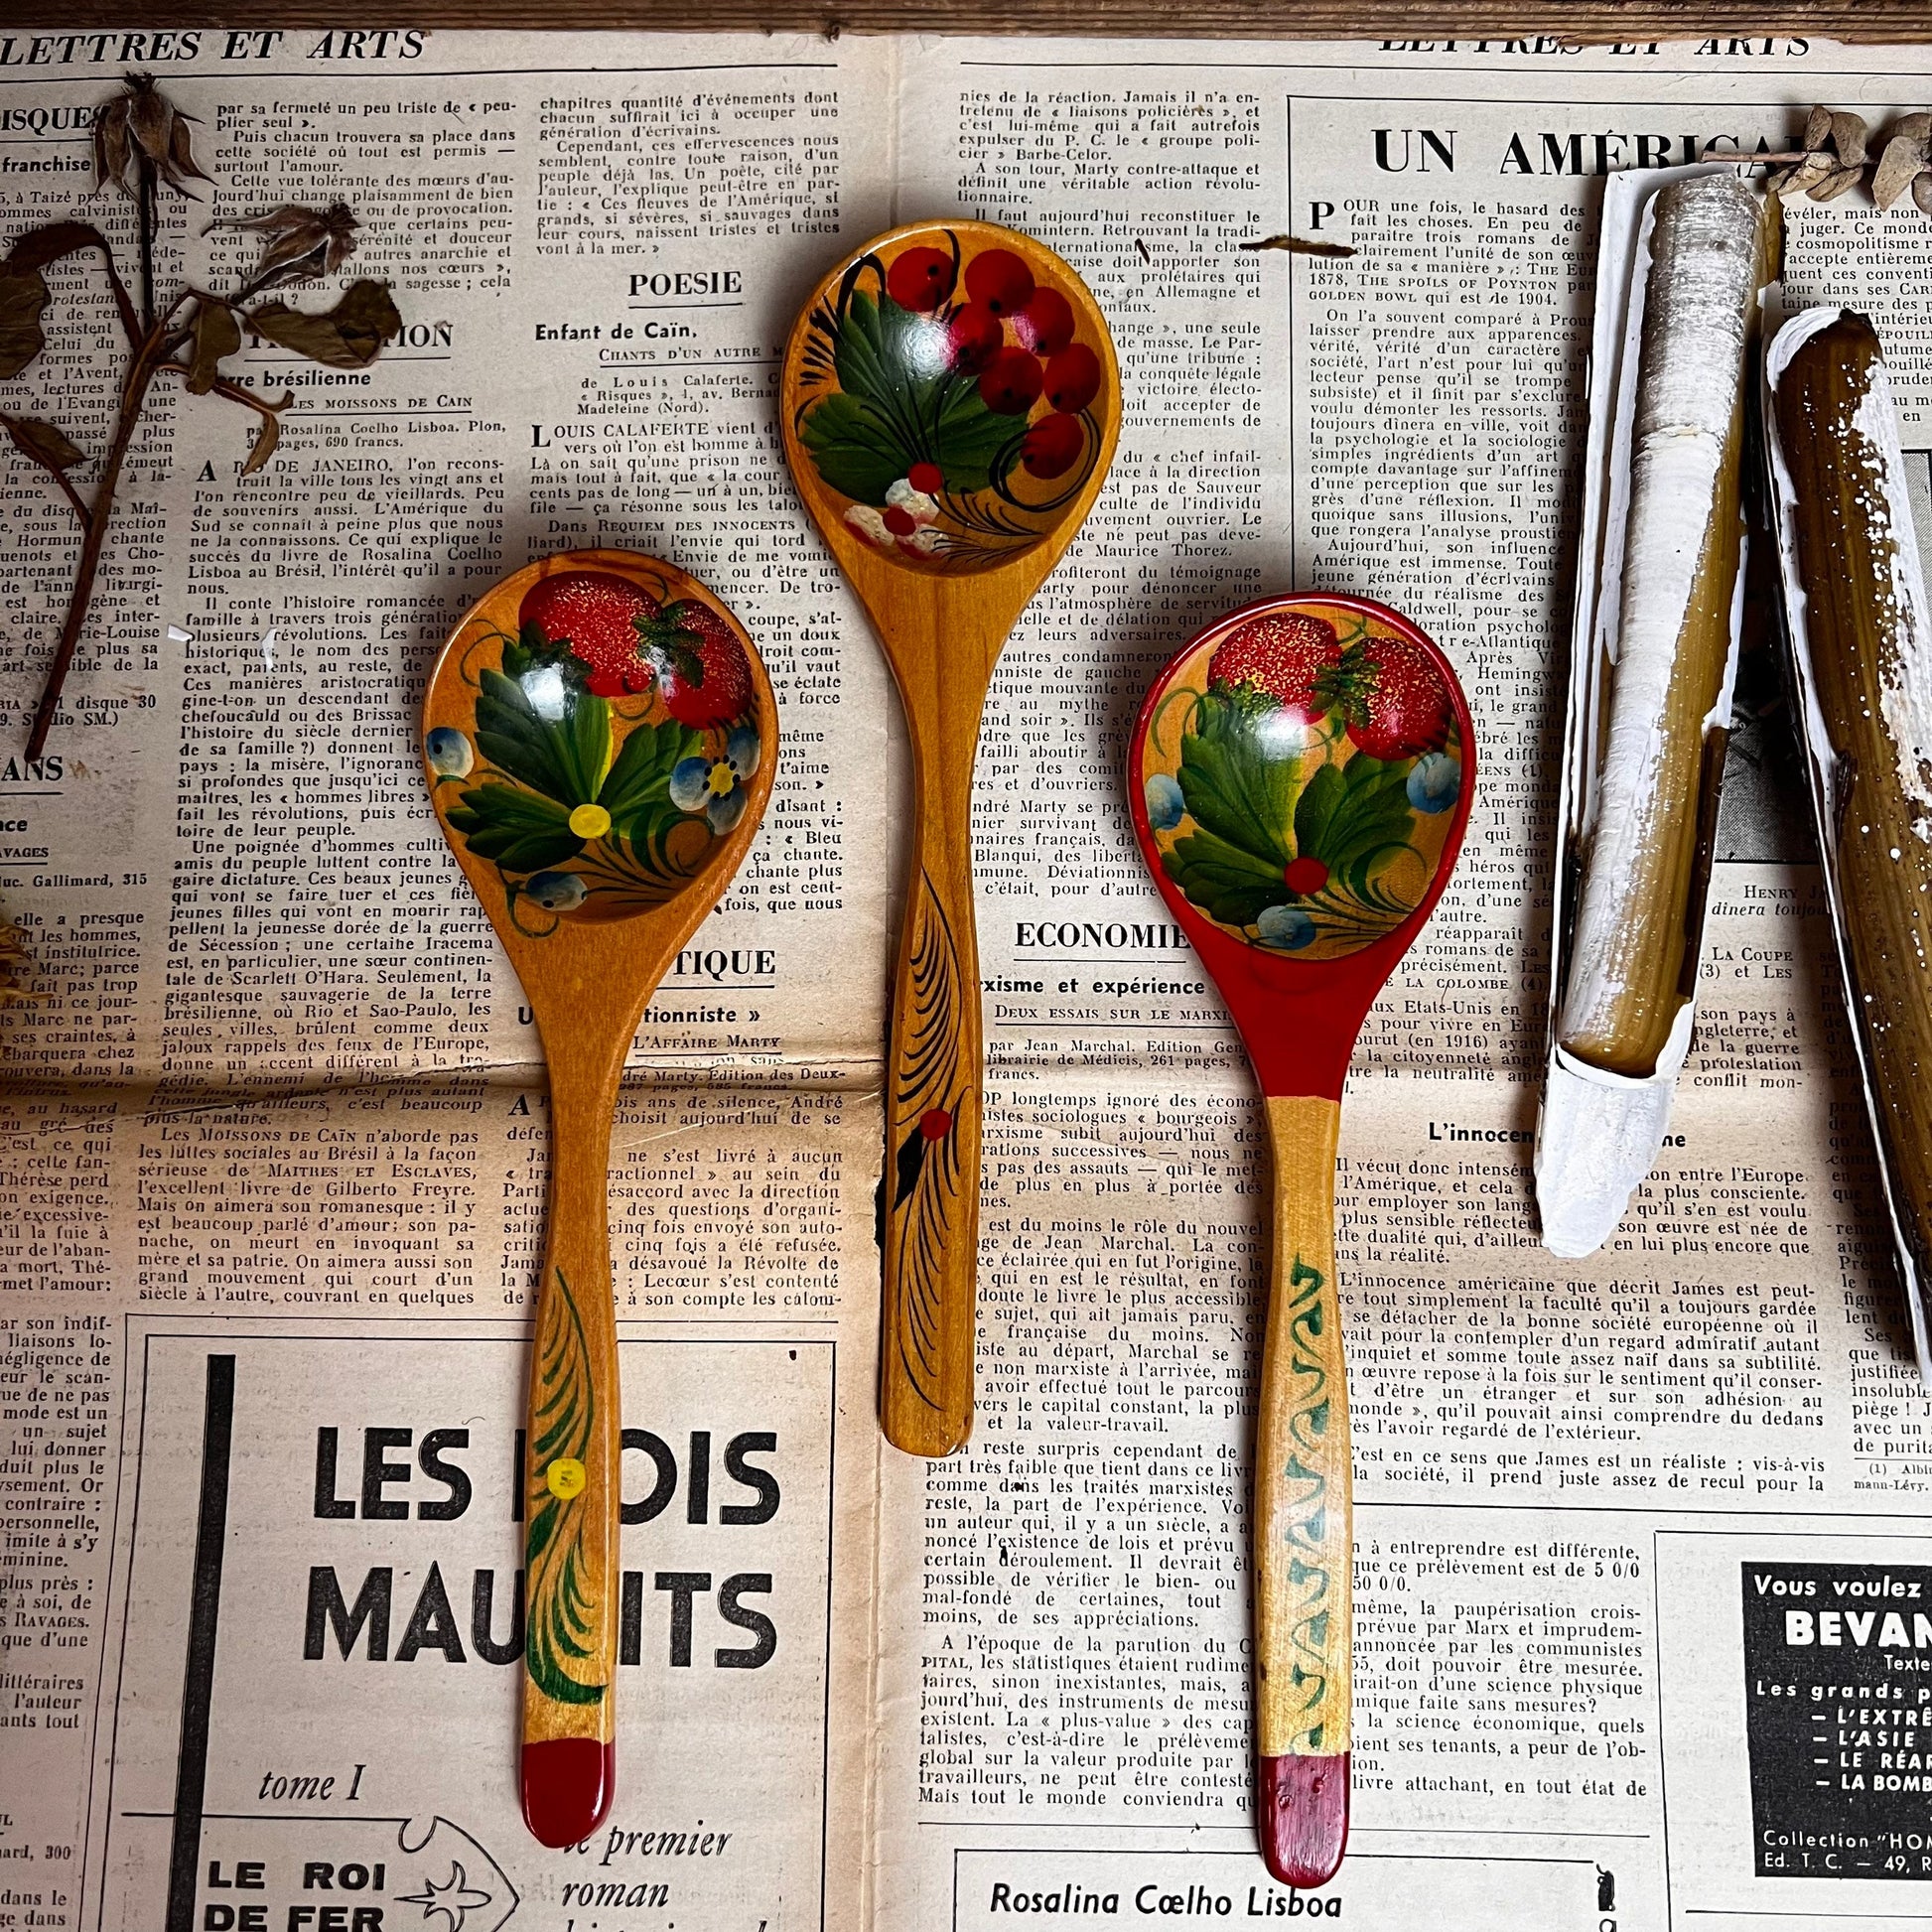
x=585 y=738
x=855 y=449
x=514 y=739
x=1370 y=820
x=897 y=406
x=637 y=794
x=543 y=1526
x=1317 y=809
x=974 y=446
x=1231 y=787
x=517 y=830
x=1226 y=882
x=563 y=757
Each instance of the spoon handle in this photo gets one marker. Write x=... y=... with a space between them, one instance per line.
x=1304 y=1550
x=571 y=1494
x=931 y=1190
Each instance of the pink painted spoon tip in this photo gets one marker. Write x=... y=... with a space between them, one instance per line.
x=568 y=1784
x=1301 y=1815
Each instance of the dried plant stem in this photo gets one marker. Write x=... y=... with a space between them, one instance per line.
x=149 y=217
x=150 y=358
x=73 y=496
x=142 y=144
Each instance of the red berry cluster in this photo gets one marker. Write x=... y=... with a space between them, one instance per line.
x=1041 y=360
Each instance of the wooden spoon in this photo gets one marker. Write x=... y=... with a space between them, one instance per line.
x=1300 y=778
x=599 y=739
x=950 y=405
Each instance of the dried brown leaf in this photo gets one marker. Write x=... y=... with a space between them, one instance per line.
x=23 y=295
x=1922 y=192
x=111 y=152
x=267 y=435
x=1818 y=129
x=1839 y=182
x=45 y=443
x=181 y=152
x=348 y=337
x=39 y=247
x=215 y=334
x=1914 y=127
x=1848 y=137
x=301 y=240
x=1901 y=160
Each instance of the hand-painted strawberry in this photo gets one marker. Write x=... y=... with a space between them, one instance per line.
x=703 y=676
x=596 y=615
x=1391 y=695
x=1285 y=655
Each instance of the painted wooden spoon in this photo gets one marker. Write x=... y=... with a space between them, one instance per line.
x=599 y=739
x=1300 y=779
x=950 y=406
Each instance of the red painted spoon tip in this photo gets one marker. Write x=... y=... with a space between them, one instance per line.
x=1304 y=1817
x=568 y=1785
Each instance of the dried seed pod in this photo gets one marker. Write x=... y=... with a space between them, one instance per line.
x=1903 y=158
x=1625 y=984
x=1805 y=175
x=1848 y=137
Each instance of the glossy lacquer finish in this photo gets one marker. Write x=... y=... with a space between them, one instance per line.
x=598 y=740
x=951 y=403
x=1300 y=781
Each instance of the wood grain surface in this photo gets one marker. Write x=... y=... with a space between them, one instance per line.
x=1466 y=20
x=588 y=980
x=943 y=617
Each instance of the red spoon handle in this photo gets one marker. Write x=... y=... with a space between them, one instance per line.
x=1304 y=1550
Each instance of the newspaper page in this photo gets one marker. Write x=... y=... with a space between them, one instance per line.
x=1638 y=1539
x=276 y=1138
x=1635 y=1635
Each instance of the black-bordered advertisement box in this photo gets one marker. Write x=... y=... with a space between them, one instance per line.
x=308 y=1720
x=1796 y=1692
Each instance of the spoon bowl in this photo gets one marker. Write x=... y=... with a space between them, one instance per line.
x=1300 y=779
x=950 y=405
x=598 y=738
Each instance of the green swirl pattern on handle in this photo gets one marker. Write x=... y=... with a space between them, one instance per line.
x=1305 y=1517
x=562 y=1614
